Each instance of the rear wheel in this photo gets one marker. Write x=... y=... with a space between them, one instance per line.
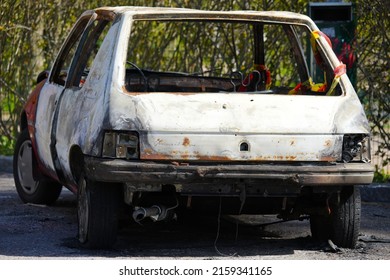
x=97 y=214
x=31 y=186
x=342 y=226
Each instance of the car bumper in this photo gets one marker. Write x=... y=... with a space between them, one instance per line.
x=302 y=174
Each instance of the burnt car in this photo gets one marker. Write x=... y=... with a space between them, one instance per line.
x=159 y=110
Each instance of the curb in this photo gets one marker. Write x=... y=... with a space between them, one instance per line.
x=372 y=193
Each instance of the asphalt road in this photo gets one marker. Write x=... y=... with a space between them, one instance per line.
x=40 y=232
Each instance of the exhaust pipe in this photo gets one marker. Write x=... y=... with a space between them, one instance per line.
x=156 y=213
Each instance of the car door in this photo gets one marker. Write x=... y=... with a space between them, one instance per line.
x=51 y=92
x=79 y=112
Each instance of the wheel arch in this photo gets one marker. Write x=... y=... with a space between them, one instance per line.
x=23 y=121
x=76 y=162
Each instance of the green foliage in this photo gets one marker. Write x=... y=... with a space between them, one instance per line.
x=380 y=175
x=373 y=49
x=6 y=146
x=191 y=47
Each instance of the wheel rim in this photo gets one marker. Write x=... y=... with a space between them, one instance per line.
x=83 y=211
x=25 y=168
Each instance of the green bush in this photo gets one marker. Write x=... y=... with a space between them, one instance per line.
x=380 y=175
x=6 y=146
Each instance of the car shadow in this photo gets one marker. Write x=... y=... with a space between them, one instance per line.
x=202 y=238
x=35 y=231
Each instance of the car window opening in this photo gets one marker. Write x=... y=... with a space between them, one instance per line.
x=226 y=57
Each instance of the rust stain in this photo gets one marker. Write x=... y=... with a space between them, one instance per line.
x=178 y=156
x=262 y=158
x=328 y=158
x=328 y=143
x=148 y=151
x=199 y=156
x=175 y=156
x=213 y=158
x=186 y=142
x=185 y=156
x=155 y=157
x=269 y=158
x=291 y=157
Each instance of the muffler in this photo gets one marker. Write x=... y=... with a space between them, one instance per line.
x=156 y=213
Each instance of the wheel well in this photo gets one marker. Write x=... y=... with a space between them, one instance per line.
x=23 y=121
x=76 y=161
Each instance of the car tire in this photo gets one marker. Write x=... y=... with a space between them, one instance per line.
x=345 y=218
x=31 y=186
x=342 y=225
x=97 y=212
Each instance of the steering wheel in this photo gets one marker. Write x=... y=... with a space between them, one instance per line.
x=142 y=74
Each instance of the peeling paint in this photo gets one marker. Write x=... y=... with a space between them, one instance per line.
x=226 y=147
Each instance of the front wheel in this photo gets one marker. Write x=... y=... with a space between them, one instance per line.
x=342 y=225
x=31 y=186
x=97 y=211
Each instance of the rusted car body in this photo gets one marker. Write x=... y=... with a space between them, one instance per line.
x=169 y=134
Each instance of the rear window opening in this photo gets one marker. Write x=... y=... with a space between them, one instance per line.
x=225 y=57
